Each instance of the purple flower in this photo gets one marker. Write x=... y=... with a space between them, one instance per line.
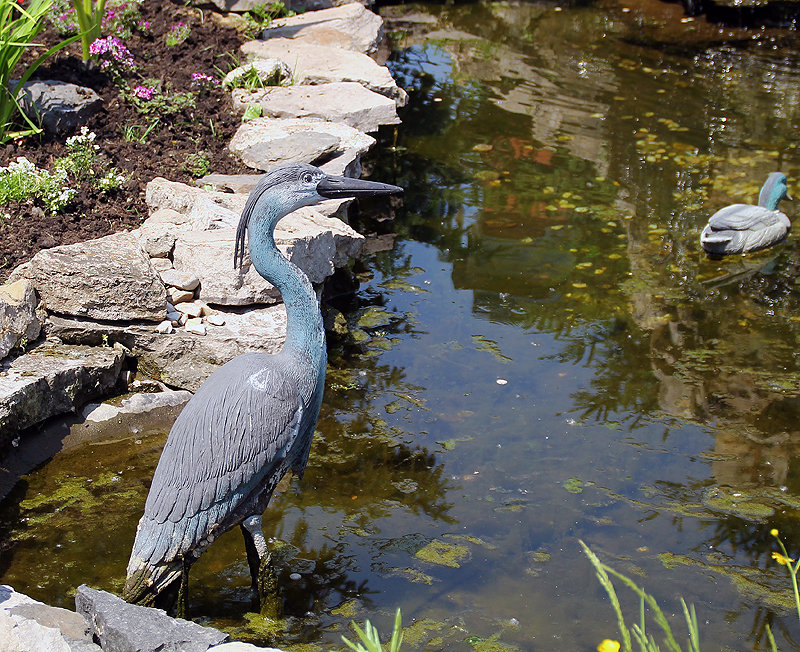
x=112 y=52
x=143 y=92
x=144 y=25
x=200 y=77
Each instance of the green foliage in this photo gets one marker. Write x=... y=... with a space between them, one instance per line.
x=792 y=566
x=138 y=133
x=18 y=28
x=163 y=102
x=252 y=111
x=23 y=181
x=370 y=639
x=638 y=631
x=90 y=20
x=178 y=34
x=196 y=165
x=260 y=16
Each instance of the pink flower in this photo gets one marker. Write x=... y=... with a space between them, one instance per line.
x=200 y=77
x=143 y=92
x=113 y=52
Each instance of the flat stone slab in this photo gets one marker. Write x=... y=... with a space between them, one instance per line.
x=321 y=64
x=106 y=278
x=347 y=102
x=301 y=147
x=183 y=359
x=27 y=624
x=346 y=161
x=350 y=26
x=54 y=379
x=126 y=627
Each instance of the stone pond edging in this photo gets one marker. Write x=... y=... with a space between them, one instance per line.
x=164 y=298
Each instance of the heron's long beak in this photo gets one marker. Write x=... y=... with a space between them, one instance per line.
x=339 y=187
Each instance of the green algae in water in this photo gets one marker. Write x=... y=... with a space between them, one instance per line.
x=490 y=644
x=450 y=444
x=574 y=485
x=419 y=632
x=443 y=553
x=349 y=609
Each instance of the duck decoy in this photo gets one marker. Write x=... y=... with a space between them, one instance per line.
x=740 y=228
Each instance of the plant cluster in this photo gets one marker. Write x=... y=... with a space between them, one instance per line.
x=23 y=181
x=178 y=33
x=149 y=98
x=371 y=640
x=19 y=26
x=259 y=17
x=120 y=18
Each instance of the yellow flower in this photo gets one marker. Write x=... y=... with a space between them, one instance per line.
x=608 y=646
x=783 y=561
x=774 y=532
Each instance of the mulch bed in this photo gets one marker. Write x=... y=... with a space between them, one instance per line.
x=205 y=129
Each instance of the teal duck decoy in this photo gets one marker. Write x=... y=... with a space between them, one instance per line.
x=739 y=228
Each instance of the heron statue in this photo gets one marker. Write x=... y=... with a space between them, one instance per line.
x=251 y=421
x=740 y=228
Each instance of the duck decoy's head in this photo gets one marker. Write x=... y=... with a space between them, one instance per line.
x=773 y=190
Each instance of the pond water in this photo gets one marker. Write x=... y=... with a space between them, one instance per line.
x=545 y=356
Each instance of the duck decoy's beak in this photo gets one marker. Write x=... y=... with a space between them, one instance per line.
x=332 y=187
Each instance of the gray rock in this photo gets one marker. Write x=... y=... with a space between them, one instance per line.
x=199 y=209
x=352 y=142
x=270 y=72
x=54 y=379
x=350 y=26
x=347 y=102
x=319 y=64
x=301 y=147
x=26 y=624
x=182 y=359
x=241 y=183
x=61 y=106
x=123 y=627
x=19 y=324
x=108 y=278
x=313 y=242
x=138 y=403
x=161 y=264
x=293 y=5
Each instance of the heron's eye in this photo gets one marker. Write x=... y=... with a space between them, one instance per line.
x=307 y=178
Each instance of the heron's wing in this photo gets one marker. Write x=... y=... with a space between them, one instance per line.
x=230 y=437
x=743 y=217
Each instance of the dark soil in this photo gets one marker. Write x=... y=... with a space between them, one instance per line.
x=204 y=129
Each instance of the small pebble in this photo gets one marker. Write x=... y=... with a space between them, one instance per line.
x=165 y=327
x=195 y=326
x=173 y=315
x=216 y=320
x=177 y=296
x=502 y=381
x=191 y=308
x=295 y=576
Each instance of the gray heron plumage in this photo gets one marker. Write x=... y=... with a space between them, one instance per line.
x=253 y=419
x=741 y=228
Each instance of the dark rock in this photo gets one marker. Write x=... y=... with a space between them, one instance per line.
x=123 y=627
x=60 y=106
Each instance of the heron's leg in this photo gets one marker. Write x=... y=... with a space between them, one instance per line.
x=265 y=582
x=183 y=592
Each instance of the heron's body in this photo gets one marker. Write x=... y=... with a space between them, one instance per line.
x=253 y=419
x=741 y=228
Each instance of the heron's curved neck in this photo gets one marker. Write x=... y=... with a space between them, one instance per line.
x=304 y=331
